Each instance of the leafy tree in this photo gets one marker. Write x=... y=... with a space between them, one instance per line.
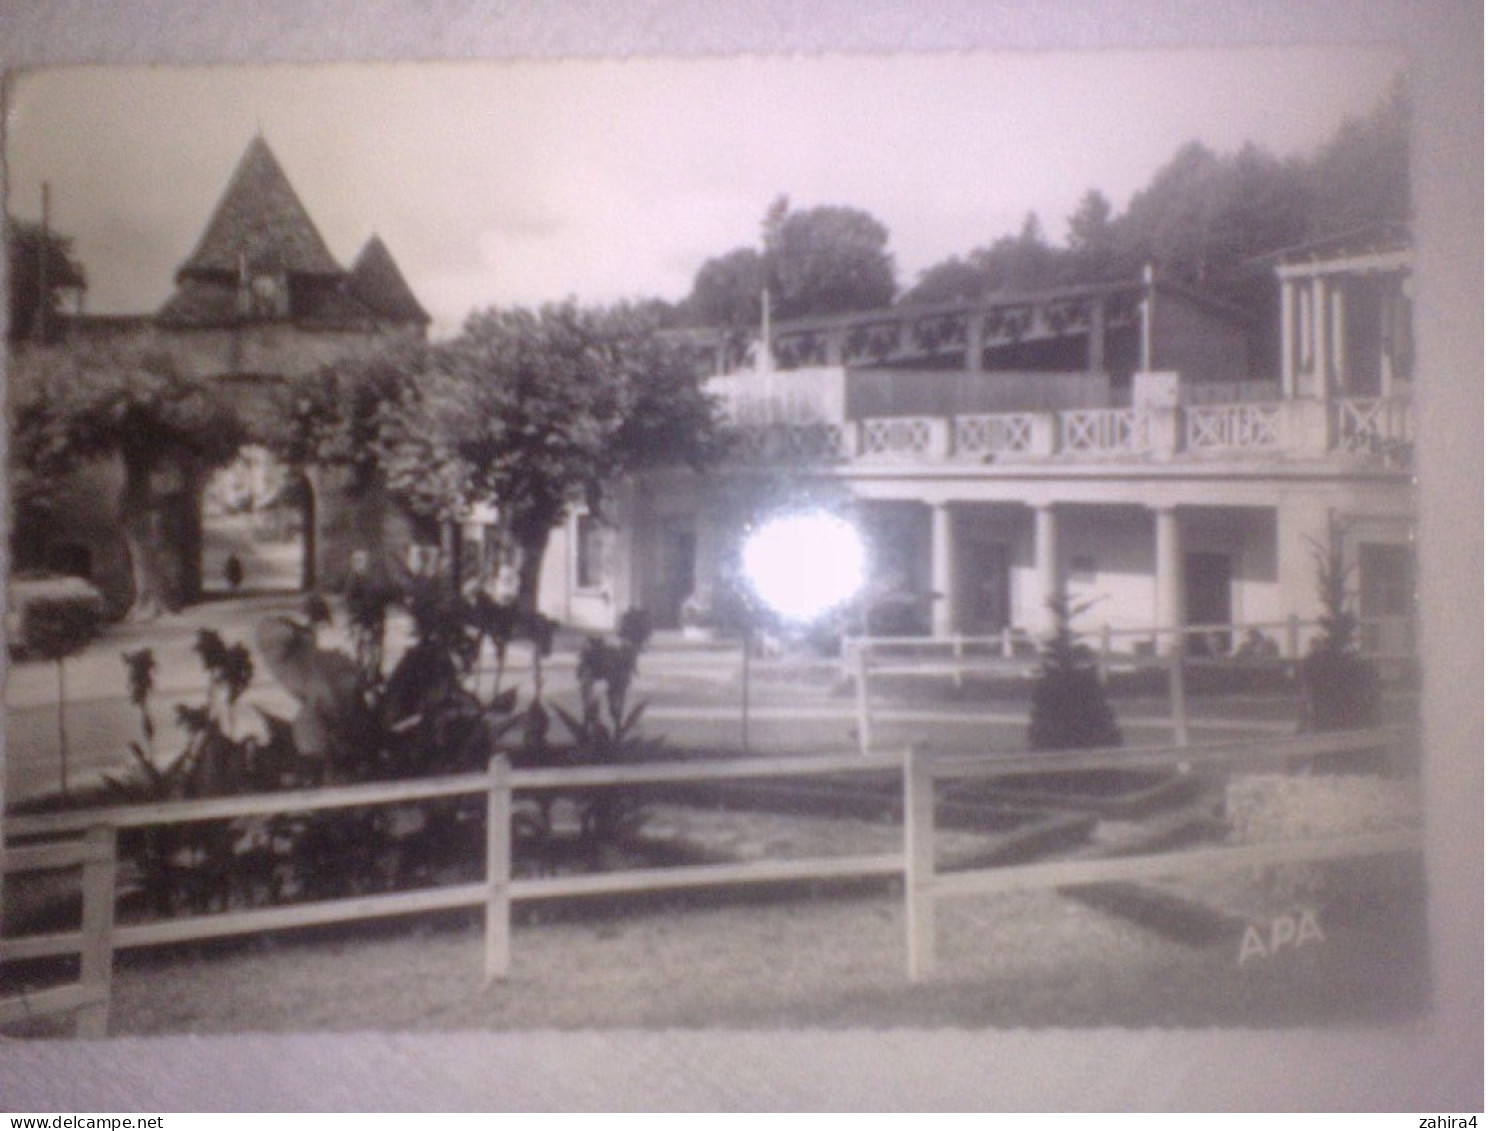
x=82 y=404
x=31 y=256
x=947 y=281
x=1204 y=216
x=1362 y=176
x=826 y=260
x=536 y=411
x=1091 y=241
x=1070 y=708
x=1025 y=262
x=335 y=415
x=727 y=288
x=1169 y=222
x=1342 y=687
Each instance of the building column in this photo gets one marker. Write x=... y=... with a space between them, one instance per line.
x=1169 y=578
x=976 y=339
x=621 y=563
x=1149 y=300
x=1046 y=564
x=942 y=570
x=1339 y=377
x=1288 y=339
x=1095 y=349
x=1320 y=359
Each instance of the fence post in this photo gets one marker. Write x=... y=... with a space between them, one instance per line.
x=1103 y=661
x=1178 y=695
x=1293 y=637
x=919 y=863
x=498 y=871
x=100 y=866
x=860 y=677
x=958 y=652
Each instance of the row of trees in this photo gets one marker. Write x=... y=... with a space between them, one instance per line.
x=532 y=410
x=1201 y=219
x=1204 y=216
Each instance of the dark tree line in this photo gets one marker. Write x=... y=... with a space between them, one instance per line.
x=1202 y=219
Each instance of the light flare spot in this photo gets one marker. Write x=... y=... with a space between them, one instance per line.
x=806 y=564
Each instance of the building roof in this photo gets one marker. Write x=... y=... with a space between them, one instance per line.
x=260 y=227
x=259 y=224
x=376 y=282
x=1374 y=239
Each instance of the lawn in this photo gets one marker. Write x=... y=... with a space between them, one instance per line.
x=833 y=955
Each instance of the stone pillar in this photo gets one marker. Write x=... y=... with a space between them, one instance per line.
x=1045 y=564
x=1169 y=578
x=942 y=570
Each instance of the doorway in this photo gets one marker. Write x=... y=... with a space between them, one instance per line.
x=985 y=583
x=1206 y=583
x=256 y=526
x=676 y=575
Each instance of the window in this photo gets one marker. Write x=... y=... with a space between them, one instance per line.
x=1387 y=593
x=591 y=545
x=1082 y=569
x=1386 y=580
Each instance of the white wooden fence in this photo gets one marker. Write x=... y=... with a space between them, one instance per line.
x=100 y=936
x=88 y=997
x=1011 y=654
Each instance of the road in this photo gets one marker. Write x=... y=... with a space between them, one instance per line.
x=694 y=700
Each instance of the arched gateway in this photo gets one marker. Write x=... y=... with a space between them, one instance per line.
x=258 y=302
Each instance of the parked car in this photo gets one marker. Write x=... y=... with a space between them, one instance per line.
x=36 y=603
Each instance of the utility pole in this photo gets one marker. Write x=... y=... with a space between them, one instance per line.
x=43 y=282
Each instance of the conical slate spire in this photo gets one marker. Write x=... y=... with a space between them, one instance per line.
x=259 y=225
x=376 y=282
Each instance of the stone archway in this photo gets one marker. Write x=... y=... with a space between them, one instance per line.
x=257 y=527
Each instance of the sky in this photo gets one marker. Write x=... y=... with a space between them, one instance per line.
x=520 y=183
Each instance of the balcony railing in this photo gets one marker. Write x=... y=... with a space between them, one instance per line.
x=1106 y=431
x=1377 y=430
x=1233 y=427
x=996 y=435
x=1376 y=426
x=901 y=438
x=772 y=443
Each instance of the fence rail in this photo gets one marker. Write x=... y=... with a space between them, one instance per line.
x=1012 y=654
x=88 y=998
x=101 y=937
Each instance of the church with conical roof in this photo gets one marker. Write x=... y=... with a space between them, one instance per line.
x=260 y=300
